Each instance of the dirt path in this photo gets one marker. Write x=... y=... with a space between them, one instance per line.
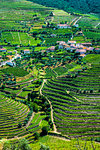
x=28 y=36
x=29 y=120
x=73 y=20
x=77 y=20
x=19 y=38
x=55 y=129
x=12 y=35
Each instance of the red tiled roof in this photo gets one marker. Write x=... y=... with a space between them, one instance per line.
x=83 y=55
x=26 y=50
x=2 y=49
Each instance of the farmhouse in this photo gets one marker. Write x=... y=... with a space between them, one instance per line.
x=90 y=48
x=19 y=56
x=87 y=44
x=10 y=52
x=9 y=57
x=81 y=51
x=50 y=49
x=63 y=26
x=3 y=50
x=97 y=50
x=76 y=25
x=11 y=64
x=71 y=42
x=26 y=51
x=82 y=55
x=53 y=35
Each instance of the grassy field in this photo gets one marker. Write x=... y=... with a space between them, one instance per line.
x=55 y=143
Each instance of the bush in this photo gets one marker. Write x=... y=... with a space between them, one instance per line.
x=91 y=90
x=45 y=130
x=19 y=125
x=43 y=147
x=36 y=134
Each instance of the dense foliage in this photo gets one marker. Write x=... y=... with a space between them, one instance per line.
x=72 y=5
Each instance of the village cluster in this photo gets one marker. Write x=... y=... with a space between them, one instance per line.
x=82 y=48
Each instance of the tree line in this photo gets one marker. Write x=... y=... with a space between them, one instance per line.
x=83 y=6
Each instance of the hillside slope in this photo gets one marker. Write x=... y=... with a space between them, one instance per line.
x=84 y=6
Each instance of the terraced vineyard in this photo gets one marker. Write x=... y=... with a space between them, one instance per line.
x=18 y=37
x=12 y=113
x=76 y=103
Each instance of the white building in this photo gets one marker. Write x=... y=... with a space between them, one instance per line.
x=26 y=51
x=63 y=26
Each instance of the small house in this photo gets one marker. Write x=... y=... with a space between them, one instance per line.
x=11 y=64
x=97 y=50
x=10 y=52
x=81 y=51
x=87 y=44
x=3 y=50
x=82 y=55
x=9 y=57
x=26 y=51
x=76 y=25
x=71 y=42
x=50 y=49
x=19 y=56
x=53 y=35
x=63 y=26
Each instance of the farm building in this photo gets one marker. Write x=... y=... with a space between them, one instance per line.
x=19 y=56
x=26 y=51
x=76 y=25
x=53 y=35
x=87 y=44
x=71 y=42
x=82 y=55
x=10 y=52
x=97 y=50
x=50 y=49
x=11 y=64
x=9 y=57
x=3 y=50
x=81 y=51
x=63 y=26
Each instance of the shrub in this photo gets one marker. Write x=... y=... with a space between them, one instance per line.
x=36 y=134
x=45 y=130
x=91 y=90
x=19 y=125
x=43 y=147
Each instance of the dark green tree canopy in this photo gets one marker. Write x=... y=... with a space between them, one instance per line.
x=84 y=6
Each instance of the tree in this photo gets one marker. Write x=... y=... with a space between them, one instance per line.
x=91 y=90
x=3 y=86
x=19 y=125
x=23 y=145
x=45 y=130
x=6 y=146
